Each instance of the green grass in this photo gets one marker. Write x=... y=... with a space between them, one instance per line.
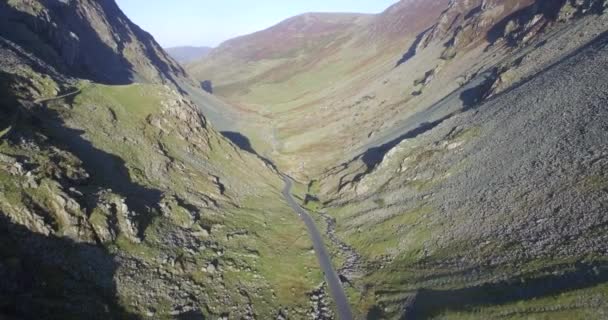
x=259 y=243
x=144 y=251
x=400 y=235
x=314 y=187
x=466 y=134
x=571 y=305
x=98 y=220
x=5 y=131
x=286 y=257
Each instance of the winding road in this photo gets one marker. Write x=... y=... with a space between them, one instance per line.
x=333 y=281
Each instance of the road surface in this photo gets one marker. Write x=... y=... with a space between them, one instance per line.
x=69 y=94
x=333 y=281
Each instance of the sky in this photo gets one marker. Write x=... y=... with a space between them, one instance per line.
x=210 y=22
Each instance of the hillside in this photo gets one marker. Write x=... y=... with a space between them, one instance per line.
x=277 y=78
x=188 y=54
x=323 y=106
x=451 y=156
x=497 y=211
x=454 y=149
x=89 y=39
x=118 y=199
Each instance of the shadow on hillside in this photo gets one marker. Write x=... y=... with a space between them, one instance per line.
x=90 y=57
x=192 y=315
x=240 y=140
x=430 y=303
x=107 y=171
x=47 y=277
x=411 y=52
x=44 y=39
x=470 y=99
x=244 y=144
x=8 y=103
x=473 y=97
x=548 y=9
x=374 y=156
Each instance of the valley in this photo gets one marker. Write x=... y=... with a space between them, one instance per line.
x=442 y=159
x=382 y=160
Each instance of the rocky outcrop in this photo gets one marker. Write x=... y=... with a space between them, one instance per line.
x=319 y=306
x=88 y=39
x=207 y=85
x=467 y=23
x=523 y=25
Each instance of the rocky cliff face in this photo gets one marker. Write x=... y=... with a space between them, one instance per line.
x=88 y=39
x=467 y=23
x=121 y=201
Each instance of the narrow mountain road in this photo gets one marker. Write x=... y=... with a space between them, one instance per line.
x=7 y=129
x=333 y=281
x=69 y=94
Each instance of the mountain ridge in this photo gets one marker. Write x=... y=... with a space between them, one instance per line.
x=78 y=42
x=118 y=198
x=452 y=154
x=186 y=54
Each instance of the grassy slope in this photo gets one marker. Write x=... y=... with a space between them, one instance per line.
x=282 y=242
x=266 y=251
x=318 y=93
x=288 y=88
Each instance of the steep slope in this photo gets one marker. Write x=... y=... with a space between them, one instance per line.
x=121 y=201
x=405 y=18
x=281 y=78
x=88 y=39
x=459 y=159
x=480 y=209
x=331 y=110
x=498 y=211
x=188 y=54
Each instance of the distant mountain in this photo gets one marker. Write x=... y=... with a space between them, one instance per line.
x=188 y=54
x=288 y=48
x=340 y=64
x=311 y=60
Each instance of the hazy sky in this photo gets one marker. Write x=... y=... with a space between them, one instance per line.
x=209 y=22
